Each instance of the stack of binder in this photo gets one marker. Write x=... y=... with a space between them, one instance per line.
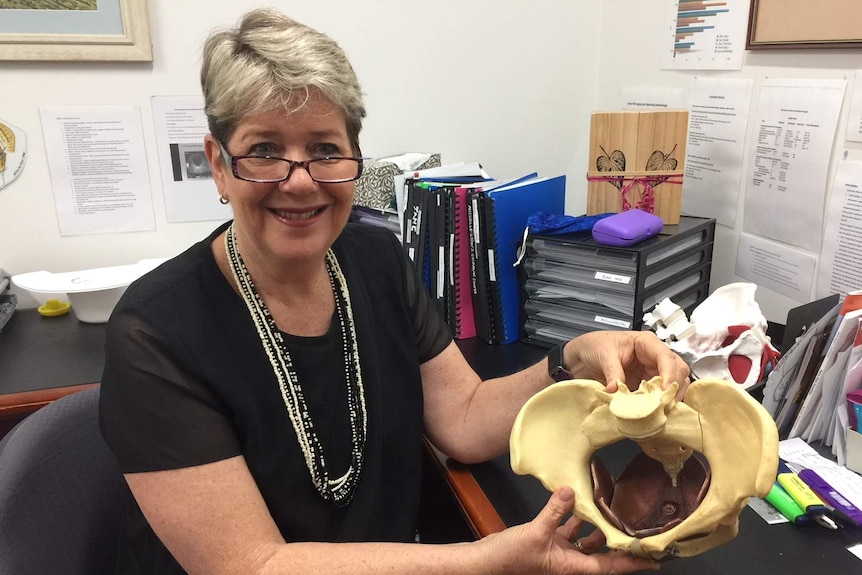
x=573 y=285
x=435 y=239
x=462 y=234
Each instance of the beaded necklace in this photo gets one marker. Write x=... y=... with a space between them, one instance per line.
x=340 y=491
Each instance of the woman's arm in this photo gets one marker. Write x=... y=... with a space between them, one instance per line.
x=213 y=520
x=471 y=420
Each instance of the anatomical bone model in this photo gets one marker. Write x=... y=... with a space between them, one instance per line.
x=725 y=338
x=667 y=502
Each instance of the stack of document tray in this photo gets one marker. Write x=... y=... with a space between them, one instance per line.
x=573 y=285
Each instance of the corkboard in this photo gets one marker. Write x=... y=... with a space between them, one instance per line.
x=805 y=24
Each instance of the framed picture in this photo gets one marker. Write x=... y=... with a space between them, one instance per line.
x=805 y=24
x=80 y=30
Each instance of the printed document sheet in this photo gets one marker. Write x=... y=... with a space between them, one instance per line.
x=98 y=167
x=795 y=127
x=782 y=269
x=190 y=192
x=716 y=142
x=841 y=257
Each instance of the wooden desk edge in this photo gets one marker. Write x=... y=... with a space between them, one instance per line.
x=26 y=402
x=475 y=506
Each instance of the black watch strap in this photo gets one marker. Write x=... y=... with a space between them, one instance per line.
x=556 y=368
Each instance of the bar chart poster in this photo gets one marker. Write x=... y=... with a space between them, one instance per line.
x=706 y=34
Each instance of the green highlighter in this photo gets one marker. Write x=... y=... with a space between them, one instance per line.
x=788 y=507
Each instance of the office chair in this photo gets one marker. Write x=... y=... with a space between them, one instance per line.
x=62 y=495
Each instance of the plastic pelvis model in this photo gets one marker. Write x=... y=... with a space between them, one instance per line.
x=668 y=502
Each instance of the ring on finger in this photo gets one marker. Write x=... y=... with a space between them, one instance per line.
x=579 y=546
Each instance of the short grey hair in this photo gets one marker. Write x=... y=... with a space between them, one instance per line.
x=266 y=62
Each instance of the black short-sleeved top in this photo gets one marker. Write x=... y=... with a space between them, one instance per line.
x=186 y=382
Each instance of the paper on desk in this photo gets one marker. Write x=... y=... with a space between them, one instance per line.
x=844 y=337
x=767 y=512
x=788 y=406
x=833 y=379
x=840 y=419
x=776 y=391
x=799 y=455
x=839 y=439
x=851 y=379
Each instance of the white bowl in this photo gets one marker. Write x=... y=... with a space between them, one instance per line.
x=92 y=293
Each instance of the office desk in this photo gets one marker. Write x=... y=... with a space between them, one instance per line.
x=759 y=548
x=42 y=359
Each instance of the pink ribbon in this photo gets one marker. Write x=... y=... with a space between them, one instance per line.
x=647 y=201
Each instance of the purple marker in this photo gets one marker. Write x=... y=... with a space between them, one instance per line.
x=844 y=510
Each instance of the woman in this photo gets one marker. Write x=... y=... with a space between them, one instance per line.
x=266 y=392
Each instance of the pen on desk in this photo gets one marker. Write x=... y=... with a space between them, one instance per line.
x=840 y=506
x=786 y=505
x=806 y=498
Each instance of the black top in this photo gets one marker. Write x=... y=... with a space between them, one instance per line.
x=187 y=382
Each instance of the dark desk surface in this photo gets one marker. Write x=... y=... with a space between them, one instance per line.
x=49 y=352
x=44 y=358
x=39 y=353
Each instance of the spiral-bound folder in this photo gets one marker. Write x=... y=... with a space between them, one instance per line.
x=480 y=289
x=478 y=248
x=506 y=211
x=441 y=251
x=465 y=322
x=415 y=225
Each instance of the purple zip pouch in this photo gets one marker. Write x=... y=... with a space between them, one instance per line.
x=627 y=228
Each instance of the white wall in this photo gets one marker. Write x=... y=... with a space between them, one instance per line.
x=631 y=44
x=511 y=84
x=504 y=83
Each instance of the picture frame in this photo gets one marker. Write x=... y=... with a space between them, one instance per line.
x=804 y=24
x=117 y=30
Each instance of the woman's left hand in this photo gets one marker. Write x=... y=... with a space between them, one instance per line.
x=625 y=356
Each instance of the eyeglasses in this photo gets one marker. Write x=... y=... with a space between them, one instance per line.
x=269 y=169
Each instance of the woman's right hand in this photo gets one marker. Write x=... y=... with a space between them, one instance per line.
x=543 y=546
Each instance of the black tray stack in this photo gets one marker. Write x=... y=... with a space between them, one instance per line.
x=573 y=285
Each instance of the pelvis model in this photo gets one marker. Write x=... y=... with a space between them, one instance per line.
x=668 y=502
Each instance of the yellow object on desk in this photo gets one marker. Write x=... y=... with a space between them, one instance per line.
x=54 y=307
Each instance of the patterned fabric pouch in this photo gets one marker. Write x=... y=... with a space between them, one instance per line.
x=376 y=188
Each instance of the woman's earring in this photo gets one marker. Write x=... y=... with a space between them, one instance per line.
x=223 y=200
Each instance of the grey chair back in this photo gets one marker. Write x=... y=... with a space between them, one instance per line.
x=62 y=495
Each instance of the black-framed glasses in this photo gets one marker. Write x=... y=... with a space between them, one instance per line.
x=271 y=169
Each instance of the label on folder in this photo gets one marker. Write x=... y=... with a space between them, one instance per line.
x=615 y=278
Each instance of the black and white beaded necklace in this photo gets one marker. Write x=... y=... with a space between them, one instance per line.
x=340 y=491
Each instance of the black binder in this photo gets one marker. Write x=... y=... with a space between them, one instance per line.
x=437 y=242
x=412 y=234
x=480 y=288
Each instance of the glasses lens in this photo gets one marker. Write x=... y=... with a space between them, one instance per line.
x=334 y=169
x=267 y=169
x=276 y=169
